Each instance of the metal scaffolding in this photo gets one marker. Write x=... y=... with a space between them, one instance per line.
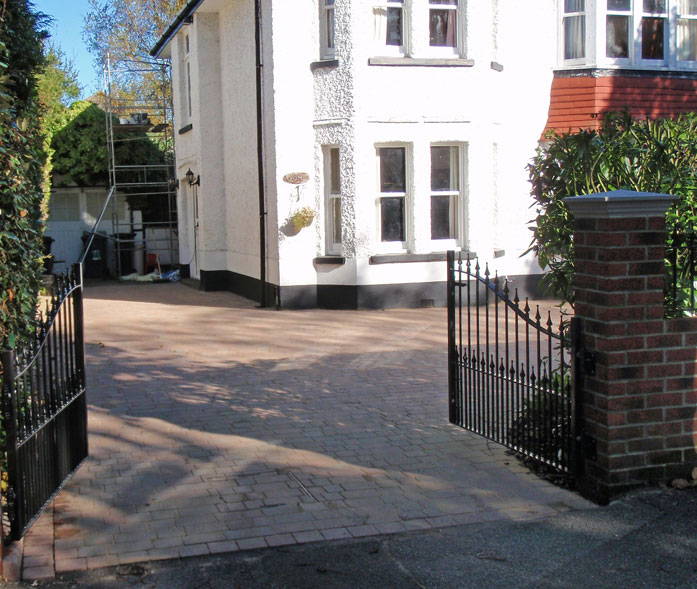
x=142 y=187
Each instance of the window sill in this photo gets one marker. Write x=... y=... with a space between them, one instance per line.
x=186 y=129
x=330 y=260
x=496 y=66
x=410 y=258
x=324 y=63
x=420 y=62
x=617 y=71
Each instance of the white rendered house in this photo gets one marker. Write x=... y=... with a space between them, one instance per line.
x=405 y=126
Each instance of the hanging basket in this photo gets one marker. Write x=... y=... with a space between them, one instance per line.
x=303 y=218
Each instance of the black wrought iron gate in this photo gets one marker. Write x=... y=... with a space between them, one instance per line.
x=510 y=376
x=44 y=407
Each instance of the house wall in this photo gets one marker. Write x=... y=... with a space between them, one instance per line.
x=355 y=105
x=73 y=210
x=187 y=142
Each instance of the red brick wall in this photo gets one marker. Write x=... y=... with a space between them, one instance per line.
x=641 y=406
x=579 y=102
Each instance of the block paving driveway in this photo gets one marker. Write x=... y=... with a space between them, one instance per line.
x=216 y=426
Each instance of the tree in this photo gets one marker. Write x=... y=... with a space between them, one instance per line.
x=57 y=87
x=21 y=158
x=125 y=31
x=641 y=155
x=80 y=156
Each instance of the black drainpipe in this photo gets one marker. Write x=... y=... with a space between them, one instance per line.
x=260 y=156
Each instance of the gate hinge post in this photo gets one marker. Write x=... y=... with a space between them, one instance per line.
x=587 y=361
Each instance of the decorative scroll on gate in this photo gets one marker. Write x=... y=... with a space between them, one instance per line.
x=44 y=407
x=510 y=378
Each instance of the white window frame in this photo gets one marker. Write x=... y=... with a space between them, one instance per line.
x=332 y=199
x=381 y=46
x=640 y=15
x=562 y=33
x=327 y=48
x=394 y=246
x=457 y=201
x=631 y=45
x=445 y=51
x=680 y=16
x=185 y=81
x=596 y=37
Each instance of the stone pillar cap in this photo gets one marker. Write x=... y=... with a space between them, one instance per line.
x=620 y=204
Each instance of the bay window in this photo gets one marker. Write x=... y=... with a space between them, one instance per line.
x=618 y=29
x=687 y=30
x=574 y=26
x=653 y=26
x=392 y=180
x=629 y=33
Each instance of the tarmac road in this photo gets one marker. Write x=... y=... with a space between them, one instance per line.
x=647 y=539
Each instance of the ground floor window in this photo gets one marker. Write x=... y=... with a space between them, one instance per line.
x=332 y=190
x=445 y=191
x=392 y=165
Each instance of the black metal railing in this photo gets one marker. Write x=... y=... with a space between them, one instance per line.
x=510 y=377
x=681 y=274
x=44 y=407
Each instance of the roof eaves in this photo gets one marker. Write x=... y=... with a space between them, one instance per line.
x=173 y=28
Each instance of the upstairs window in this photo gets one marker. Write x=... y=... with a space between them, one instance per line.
x=185 y=96
x=687 y=30
x=631 y=33
x=388 y=25
x=327 y=29
x=419 y=28
x=653 y=27
x=442 y=23
x=574 y=27
x=618 y=29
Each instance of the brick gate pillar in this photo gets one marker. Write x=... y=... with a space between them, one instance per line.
x=637 y=402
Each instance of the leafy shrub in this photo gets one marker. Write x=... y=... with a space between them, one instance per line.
x=641 y=155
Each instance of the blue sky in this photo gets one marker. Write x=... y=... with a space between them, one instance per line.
x=66 y=33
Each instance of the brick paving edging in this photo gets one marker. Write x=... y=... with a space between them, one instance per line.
x=36 y=553
x=12 y=562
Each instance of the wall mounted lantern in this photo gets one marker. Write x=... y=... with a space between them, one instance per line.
x=190 y=178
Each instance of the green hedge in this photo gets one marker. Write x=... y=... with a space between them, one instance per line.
x=21 y=159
